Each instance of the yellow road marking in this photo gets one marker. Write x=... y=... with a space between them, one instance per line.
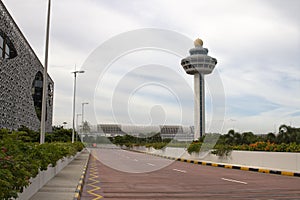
x=264 y=171
x=93 y=176
x=287 y=173
x=214 y=164
x=245 y=168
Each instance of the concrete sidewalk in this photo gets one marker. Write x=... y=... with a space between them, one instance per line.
x=63 y=185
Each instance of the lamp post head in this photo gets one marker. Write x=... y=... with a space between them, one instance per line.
x=80 y=72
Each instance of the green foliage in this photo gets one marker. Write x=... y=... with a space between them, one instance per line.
x=86 y=127
x=21 y=159
x=222 y=150
x=194 y=147
x=288 y=134
x=59 y=134
x=268 y=146
x=157 y=145
x=288 y=140
x=129 y=141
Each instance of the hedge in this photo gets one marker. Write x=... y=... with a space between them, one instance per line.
x=20 y=161
x=224 y=149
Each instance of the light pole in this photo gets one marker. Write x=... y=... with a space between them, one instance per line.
x=82 y=112
x=43 y=117
x=74 y=98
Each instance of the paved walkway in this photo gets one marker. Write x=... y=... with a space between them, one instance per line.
x=63 y=185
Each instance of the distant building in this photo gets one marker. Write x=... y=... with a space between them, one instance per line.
x=110 y=130
x=170 y=131
x=180 y=133
x=21 y=79
x=177 y=132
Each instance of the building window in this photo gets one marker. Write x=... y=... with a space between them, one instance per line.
x=50 y=93
x=37 y=93
x=7 y=49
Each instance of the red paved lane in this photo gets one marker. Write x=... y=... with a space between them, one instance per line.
x=182 y=181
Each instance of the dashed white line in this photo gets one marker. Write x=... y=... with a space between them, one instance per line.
x=234 y=181
x=150 y=164
x=178 y=170
x=135 y=160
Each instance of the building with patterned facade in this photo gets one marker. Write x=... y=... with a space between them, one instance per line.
x=21 y=79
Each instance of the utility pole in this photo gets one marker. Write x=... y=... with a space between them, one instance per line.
x=45 y=88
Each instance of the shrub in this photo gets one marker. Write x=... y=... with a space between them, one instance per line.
x=19 y=160
x=222 y=150
x=194 y=147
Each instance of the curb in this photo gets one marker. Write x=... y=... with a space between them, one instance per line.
x=228 y=166
x=79 y=187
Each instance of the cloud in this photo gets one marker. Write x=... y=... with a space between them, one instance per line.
x=256 y=43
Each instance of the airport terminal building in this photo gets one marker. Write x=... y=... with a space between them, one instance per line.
x=21 y=79
x=177 y=132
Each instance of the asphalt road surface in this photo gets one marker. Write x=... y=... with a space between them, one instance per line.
x=153 y=177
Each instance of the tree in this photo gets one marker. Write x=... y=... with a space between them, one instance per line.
x=86 y=127
x=271 y=137
x=248 y=138
x=232 y=138
x=288 y=134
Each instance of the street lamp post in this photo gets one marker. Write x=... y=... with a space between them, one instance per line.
x=43 y=114
x=74 y=99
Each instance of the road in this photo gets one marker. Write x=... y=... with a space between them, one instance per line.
x=167 y=179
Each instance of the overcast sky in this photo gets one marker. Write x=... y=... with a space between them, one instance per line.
x=256 y=43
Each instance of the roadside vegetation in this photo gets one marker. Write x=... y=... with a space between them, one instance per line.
x=22 y=157
x=154 y=141
x=128 y=141
x=287 y=140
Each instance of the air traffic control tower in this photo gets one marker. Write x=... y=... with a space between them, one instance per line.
x=199 y=64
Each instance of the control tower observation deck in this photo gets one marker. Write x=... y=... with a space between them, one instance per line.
x=199 y=64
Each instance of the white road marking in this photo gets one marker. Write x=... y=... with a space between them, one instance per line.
x=178 y=170
x=127 y=157
x=150 y=164
x=234 y=181
x=135 y=160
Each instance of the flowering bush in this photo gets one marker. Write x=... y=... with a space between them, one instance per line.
x=224 y=150
x=19 y=160
x=268 y=146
